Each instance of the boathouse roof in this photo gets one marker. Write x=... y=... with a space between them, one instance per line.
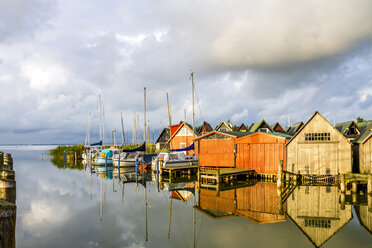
x=364 y=135
x=255 y=126
x=344 y=126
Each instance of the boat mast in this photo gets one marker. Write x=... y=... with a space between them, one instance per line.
x=193 y=112
x=169 y=119
x=90 y=119
x=144 y=114
x=103 y=125
x=134 y=128
x=100 y=118
x=122 y=130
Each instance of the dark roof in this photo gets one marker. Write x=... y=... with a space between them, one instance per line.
x=166 y=131
x=256 y=125
x=364 y=135
x=295 y=127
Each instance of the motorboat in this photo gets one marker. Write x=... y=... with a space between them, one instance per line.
x=104 y=158
x=173 y=159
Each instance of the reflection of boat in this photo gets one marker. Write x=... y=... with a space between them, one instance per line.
x=105 y=157
x=173 y=159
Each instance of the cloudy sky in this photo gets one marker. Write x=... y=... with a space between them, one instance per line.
x=277 y=60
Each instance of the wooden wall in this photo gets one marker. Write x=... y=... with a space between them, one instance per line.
x=261 y=152
x=177 y=140
x=259 y=203
x=216 y=152
x=365 y=217
x=365 y=157
x=319 y=157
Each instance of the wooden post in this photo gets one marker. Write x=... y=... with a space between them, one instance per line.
x=343 y=201
x=369 y=185
x=218 y=177
x=280 y=202
x=354 y=187
x=279 y=182
x=369 y=198
x=342 y=183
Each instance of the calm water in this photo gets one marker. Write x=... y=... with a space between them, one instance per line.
x=74 y=208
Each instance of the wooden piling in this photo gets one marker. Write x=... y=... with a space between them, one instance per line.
x=342 y=183
x=343 y=200
x=369 y=198
x=369 y=185
x=354 y=187
x=279 y=182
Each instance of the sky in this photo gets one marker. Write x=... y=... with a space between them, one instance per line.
x=252 y=60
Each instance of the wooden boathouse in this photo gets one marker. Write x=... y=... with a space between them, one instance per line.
x=258 y=151
x=182 y=137
x=277 y=128
x=292 y=130
x=318 y=148
x=349 y=129
x=162 y=141
x=363 y=150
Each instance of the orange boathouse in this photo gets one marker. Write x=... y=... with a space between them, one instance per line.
x=257 y=151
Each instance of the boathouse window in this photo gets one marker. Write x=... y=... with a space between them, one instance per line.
x=317 y=223
x=264 y=130
x=317 y=136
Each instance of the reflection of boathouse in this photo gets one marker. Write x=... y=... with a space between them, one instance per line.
x=365 y=217
x=319 y=149
x=258 y=203
x=317 y=212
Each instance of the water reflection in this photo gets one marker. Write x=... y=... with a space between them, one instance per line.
x=317 y=211
x=8 y=213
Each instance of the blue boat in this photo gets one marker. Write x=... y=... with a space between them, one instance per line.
x=105 y=157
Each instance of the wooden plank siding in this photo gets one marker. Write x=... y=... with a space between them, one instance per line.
x=261 y=152
x=216 y=153
x=319 y=157
x=365 y=157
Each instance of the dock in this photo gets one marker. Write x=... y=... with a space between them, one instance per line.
x=213 y=178
x=172 y=173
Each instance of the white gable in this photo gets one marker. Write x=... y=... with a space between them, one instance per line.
x=184 y=132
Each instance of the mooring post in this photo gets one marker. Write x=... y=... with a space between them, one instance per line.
x=354 y=187
x=218 y=177
x=280 y=202
x=369 y=199
x=342 y=183
x=279 y=182
x=119 y=166
x=106 y=164
x=369 y=185
x=343 y=197
x=1 y=159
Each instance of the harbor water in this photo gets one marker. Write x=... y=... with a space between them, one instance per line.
x=76 y=206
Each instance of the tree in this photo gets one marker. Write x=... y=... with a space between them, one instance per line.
x=360 y=119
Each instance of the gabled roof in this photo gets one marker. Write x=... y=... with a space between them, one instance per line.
x=207 y=125
x=165 y=132
x=344 y=126
x=312 y=117
x=295 y=127
x=257 y=125
x=362 y=125
x=364 y=135
x=275 y=125
x=223 y=123
x=180 y=127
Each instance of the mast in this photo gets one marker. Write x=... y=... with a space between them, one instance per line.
x=90 y=119
x=193 y=112
x=169 y=116
x=100 y=118
x=103 y=125
x=134 y=128
x=144 y=114
x=122 y=130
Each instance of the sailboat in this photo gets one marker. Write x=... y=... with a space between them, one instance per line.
x=178 y=157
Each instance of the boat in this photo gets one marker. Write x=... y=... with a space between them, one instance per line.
x=173 y=159
x=128 y=157
x=104 y=158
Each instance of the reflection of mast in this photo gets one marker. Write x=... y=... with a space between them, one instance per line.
x=194 y=218
x=101 y=201
x=146 y=210
x=170 y=216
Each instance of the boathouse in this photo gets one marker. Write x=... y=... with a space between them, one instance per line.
x=182 y=137
x=223 y=126
x=277 y=128
x=292 y=130
x=256 y=151
x=204 y=128
x=218 y=149
x=364 y=217
x=260 y=126
x=319 y=149
x=241 y=128
x=349 y=129
x=362 y=125
x=316 y=211
x=162 y=141
x=214 y=206
x=261 y=152
x=363 y=151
